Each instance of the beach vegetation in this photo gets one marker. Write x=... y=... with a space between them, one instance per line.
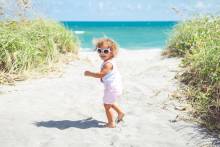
x=27 y=44
x=197 y=42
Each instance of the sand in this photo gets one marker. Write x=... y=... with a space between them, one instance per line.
x=67 y=111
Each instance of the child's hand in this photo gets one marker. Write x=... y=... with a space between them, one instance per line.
x=87 y=73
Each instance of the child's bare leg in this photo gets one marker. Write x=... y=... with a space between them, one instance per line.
x=118 y=110
x=109 y=115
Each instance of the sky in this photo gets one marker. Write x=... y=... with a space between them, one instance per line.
x=124 y=10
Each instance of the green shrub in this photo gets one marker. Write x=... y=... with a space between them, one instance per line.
x=25 y=45
x=198 y=42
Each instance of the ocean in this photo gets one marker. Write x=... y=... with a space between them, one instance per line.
x=129 y=35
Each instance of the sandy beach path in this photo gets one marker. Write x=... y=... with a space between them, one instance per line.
x=67 y=110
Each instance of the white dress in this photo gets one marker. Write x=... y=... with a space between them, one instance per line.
x=112 y=84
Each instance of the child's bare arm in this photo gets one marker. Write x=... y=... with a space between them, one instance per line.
x=106 y=69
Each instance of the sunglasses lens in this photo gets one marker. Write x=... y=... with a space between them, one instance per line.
x=99 y=51
x=106 y=51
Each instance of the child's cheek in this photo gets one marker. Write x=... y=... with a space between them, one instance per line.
x=110 y=54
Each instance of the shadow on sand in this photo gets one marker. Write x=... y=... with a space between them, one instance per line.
x=65 y=124
x=203 y=137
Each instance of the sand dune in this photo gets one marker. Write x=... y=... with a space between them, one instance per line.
x=67 y=111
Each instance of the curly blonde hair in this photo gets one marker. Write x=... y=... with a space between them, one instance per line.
x=109 y=43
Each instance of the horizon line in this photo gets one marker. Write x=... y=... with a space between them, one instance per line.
x=119 y=20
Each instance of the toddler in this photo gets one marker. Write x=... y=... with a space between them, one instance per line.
x=110 y=77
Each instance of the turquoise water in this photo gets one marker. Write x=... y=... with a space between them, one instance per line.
x=129 y=35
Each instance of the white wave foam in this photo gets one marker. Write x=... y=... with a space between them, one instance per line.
x=79 y=32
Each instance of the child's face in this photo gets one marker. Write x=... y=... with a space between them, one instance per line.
x=105 y=53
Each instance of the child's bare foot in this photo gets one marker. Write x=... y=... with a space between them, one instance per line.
x=110 y=125
x=120 y=117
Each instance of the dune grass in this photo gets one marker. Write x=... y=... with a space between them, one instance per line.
x=31 y=44
x=198 y=42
